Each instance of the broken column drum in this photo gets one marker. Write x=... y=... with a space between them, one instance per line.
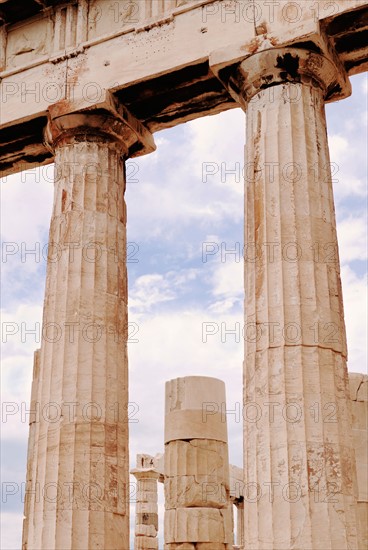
x=146 y=508
x=198 y=512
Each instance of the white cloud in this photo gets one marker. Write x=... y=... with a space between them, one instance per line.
x=29 y=199
x=172 y=192
x=21 y=333
x=356 y=300
x=347 y=126
x=148 y=291
x=339 y=146
x=345 y=153
x=223 y=306
x=353 y=239
x=228 y=279
x=155 y=288
x=11 y=539
x=181 y=343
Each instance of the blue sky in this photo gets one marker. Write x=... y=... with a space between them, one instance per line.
x=173 y=211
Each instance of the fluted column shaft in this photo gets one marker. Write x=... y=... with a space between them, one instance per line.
x=359 y=400
x=240 y=524
x=146 y=509
x=77 y=489
x=33 y=419
x=299 y=461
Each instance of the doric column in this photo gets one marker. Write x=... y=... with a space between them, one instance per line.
x=3 y=37
x=299 y=462
x=33 y=419
x=77 y=487
x=237 y=500
x=146 y=508
x=240 y=523
x=359 y=400
x=197 y=505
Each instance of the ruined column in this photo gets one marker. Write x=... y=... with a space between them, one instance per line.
x=146 y=508
x=197 y=505
x=77 y=494
x=237 y=500
x=299 y=466
x=240 y=524
x=359 y=400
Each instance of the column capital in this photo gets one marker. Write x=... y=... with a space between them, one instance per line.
x=73 y=121
x=246 y=75
x=145 y=473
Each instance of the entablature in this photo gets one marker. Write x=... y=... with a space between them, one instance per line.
x=152 y=55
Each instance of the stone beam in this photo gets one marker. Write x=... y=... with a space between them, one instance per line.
x=153 y=55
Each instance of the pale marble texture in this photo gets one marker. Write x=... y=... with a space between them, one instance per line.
x=78 y=460
x=198 y=513
x=299 y=453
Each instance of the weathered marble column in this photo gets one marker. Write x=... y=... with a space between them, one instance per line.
x=197 y=505
x=146 y=508
x=299 y=466
x=359 y=401
x=34 y=418
x=240 y=523
x=237 y=500
x=77 y=494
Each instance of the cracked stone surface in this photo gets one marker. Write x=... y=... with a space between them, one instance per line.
x=299 y=463
x=146 y=508
x=359 y=403
x=83 y=452
x=198 y=512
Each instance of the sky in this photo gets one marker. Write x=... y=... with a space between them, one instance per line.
x=185 y=215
